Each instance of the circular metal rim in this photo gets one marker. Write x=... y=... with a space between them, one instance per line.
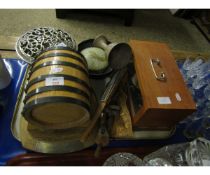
x=94 y=74
x=19 y=53
x=126 y=157
x=85 y=44
x=66 y=77
x=59 y=147
x=30 y=59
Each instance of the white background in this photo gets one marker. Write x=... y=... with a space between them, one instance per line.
x=104 y=4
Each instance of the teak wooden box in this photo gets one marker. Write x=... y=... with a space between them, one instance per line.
x=166 y=99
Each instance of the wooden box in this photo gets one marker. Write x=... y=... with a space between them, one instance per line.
x=166 y=99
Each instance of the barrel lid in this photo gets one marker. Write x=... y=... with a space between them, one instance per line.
x=29 y=107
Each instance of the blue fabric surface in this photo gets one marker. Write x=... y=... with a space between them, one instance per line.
x=9 y=146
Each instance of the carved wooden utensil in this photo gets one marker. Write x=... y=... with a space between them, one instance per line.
x=106 y=97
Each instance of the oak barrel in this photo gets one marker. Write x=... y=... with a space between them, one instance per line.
x=58 y=91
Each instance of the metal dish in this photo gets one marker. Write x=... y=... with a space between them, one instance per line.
x=158 y=162
x=30 y=44
x=94 y=74
x=123 y=159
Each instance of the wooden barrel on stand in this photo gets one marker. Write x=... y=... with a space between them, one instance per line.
x=58 y=92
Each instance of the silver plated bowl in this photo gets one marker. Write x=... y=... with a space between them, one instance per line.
x=33 y=42
x=198 y=153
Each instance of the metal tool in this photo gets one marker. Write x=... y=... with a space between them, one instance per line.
x=105 y=99
x=112 y=86
x=106 y=124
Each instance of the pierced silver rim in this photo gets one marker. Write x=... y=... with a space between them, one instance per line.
x=39 y=42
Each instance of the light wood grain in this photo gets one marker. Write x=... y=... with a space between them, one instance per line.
x=8 y=54
x=59 y=115
x=59 y=94
x=154 y=114
x=59 y=51
x=66 y=70
x=60 y=58
x=66 y=82
x=8 y=42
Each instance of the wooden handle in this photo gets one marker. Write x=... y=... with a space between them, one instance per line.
x=97 y=151
x=106 y=97
x=93 y=122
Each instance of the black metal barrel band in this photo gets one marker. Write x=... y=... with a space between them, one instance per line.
x=58 y=48
x=66 y=77
x=80 y=59
x=63 y=63
x=27 y=110
x=56 y=88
